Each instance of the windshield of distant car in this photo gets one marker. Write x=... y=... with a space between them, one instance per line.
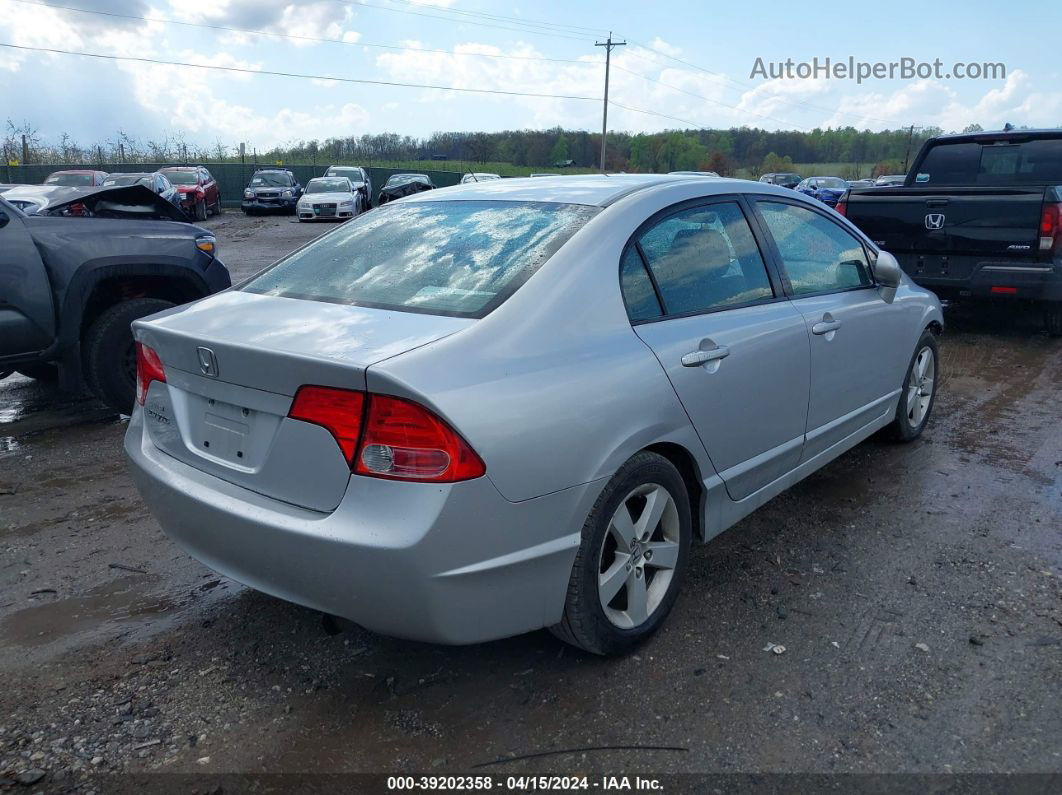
x=352 y=172
x=834 y=183
x=127 y=179
x=182 y=177
x=459 y=258
x=275 y=179
x=335 y=185
x=71 y=180
x=401 y=179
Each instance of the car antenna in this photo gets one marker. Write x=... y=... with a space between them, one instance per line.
x=474 y=177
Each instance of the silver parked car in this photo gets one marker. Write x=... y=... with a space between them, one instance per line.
x=502 y=406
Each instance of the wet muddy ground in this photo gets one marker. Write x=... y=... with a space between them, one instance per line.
x=915 y=588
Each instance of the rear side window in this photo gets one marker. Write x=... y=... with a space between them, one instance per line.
x=458 y=258
x=1037 y=162
x=703 y=258
x=819 y=256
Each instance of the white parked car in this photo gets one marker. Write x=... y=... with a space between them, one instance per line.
x=328 y=197
x=478 y=176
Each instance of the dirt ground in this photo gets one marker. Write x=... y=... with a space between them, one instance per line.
x=915 y=589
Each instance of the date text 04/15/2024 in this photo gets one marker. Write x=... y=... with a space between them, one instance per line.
x=524 y=783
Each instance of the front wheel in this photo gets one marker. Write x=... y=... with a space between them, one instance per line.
x=919 y=390
x=1053 y=319
x=109 y=353
x=632 y=558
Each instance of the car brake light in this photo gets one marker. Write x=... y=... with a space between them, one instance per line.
x=842 y=205
x=1005 y=290
x=336 y=410
x=148 y=368
x=398 y=439
x=405 y=441
x=1051 y=227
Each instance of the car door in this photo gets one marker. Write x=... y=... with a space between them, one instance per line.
x=853 y=331
x=27 y=315
x=701 y=295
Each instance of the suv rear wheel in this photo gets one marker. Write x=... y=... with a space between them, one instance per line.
x=108 y=353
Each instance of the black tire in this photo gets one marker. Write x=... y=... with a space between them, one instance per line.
x=903 y=428
x=39 y=372
x=584 y=623
x=200 y=210
x=1053 y=319
x=215 y=208
x=108 y=354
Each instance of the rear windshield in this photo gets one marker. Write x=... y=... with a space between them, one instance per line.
x=182 y=177
x=457 y=258
x=127 y=179
x=74 y=180
x=1037 y=162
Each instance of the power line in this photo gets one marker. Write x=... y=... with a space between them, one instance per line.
x=294 y=36
x=556 y=35
x=706 y=99
x=744 y=86
x=502 y=17
x=304 y=76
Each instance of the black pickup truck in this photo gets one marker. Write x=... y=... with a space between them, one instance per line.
x=978 y=217
x=73 y=279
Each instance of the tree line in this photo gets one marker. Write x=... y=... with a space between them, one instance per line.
x=744 y=150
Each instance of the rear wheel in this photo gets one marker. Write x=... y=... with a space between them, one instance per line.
x=919 y=391
x=215 y=208
x=109 y=354
x=1053 y=319
x=200 y=210
x=632 y=558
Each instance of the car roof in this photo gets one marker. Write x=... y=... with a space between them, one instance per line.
x=76 y=171
x=590 y=189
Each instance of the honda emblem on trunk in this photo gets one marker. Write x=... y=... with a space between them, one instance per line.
x=935 y=221
x=208 y=362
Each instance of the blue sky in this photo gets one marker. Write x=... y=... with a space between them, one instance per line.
x=688 y=63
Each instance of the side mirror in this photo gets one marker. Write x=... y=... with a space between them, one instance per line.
x=888 y=274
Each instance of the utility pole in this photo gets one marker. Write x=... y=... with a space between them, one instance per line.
x=907 y=154
x=608 y=45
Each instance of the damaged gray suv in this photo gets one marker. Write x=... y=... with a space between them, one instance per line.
x=509 y=405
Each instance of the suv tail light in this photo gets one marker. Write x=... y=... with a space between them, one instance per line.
x=148 y=368
x=388 y=437
x=1051 y=227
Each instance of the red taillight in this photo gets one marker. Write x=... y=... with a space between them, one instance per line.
x=405 y=441
x=337 y=410
x=1051 y=227
x=1004 y=290
x=842 y=206
x=148 y=368
x=399 y=439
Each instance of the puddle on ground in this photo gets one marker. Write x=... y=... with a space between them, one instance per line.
x=119 y=600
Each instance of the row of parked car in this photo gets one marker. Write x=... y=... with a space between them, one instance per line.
x=828 y=189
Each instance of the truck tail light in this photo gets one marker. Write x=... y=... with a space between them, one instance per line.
x=842 y=205
x=1051 y=227
x=388 y=437
x=148 y=368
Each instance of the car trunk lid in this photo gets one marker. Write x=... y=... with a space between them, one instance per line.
x=234 y=361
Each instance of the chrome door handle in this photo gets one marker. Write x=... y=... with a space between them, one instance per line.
x=697 y=358
x=825 y=326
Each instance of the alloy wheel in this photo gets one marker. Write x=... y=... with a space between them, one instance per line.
x=638 y=556
x=920 y=386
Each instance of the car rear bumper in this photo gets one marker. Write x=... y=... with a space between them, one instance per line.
x=1001 y=280
x=450 y=563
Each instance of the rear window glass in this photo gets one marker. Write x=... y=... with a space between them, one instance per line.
x=458 y=258
x=1036 y=162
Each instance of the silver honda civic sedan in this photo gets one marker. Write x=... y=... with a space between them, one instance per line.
x=515 y=404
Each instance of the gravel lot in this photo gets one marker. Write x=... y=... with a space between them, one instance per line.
x=915 y=588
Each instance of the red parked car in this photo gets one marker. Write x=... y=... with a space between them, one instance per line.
x=81 y=178
x=199 y=191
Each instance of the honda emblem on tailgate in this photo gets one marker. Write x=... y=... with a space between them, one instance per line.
x=208 y=362
x=935 y=221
